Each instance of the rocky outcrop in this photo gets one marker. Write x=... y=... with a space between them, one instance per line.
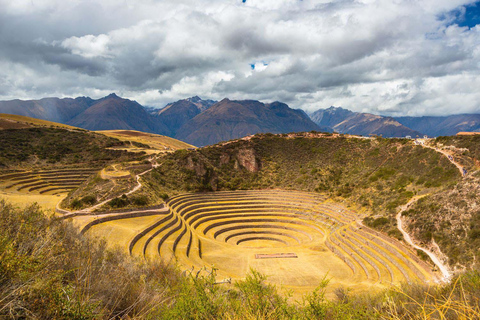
x=247 y=159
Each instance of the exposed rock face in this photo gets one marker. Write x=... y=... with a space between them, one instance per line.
x=196 y=166
x=247 y=159
x=224 y=158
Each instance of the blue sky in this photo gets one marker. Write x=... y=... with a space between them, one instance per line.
x=469 y=16
x=387 y=57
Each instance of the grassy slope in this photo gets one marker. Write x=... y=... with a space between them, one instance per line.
x=28 y=121
x=467 y=148
x=46 y=147
x=157 y=142
x=376 y=174
x=57 y=148
x=452 y=217
x=49 y=271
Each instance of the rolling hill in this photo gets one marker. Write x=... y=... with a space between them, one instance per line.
x=146 y=142
x=11 y=121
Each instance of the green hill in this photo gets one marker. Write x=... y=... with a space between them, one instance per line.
x=46 y=147
x=49 y=270
x=376 y=175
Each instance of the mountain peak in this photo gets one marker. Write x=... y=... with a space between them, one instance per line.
x=194 y=99
x=113 y=95
x=232 y=119
x=333 y=108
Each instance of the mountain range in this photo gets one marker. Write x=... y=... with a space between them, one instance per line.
x=203 y=122
x=346 y=121
x=363 y=124
x=229 y=118
x=193 y=120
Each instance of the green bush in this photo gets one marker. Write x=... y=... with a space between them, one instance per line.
x=119 y=202
x=379 y=222
x=140 y=200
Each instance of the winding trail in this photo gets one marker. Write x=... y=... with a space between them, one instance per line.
x=443 y=268
x=88 y=210
x=449 y=157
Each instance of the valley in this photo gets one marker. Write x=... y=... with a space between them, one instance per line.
x=253 y=160
x=345 y=207
x=230 y=230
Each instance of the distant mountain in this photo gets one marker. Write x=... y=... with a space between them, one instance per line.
x=175 y=115
x=364 y=124
x=202 y=122
x=331 y=116
x=193 y=120
x=51 y=109
x=229 y=119
x=201 y=104
x=113 y=112
x=443 y=126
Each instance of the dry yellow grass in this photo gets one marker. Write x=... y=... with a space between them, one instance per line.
x=45 y=201
x=33 y=121
x=226 y=230
x=159 y=143
x=119 y=233
x=114 y=172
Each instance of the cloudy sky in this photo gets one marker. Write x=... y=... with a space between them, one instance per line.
x=392 y=57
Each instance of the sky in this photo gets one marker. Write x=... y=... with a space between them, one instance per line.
x=389 y=57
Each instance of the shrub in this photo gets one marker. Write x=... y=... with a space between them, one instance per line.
x=89 y=200
x=140 y=200
x=380 y=222
x=119 y=202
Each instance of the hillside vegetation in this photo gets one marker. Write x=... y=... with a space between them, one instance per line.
x=377 y=174
x=42 y=146
x=451 y=217
x=49 y=271
x=12 y=121
x=467 y=148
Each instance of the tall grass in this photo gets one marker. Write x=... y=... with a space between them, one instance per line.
x=49 y=271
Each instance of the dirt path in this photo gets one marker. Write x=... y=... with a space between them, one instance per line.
x=139 y=183
x=445 y=272
x=98 y=205
x=449 y=157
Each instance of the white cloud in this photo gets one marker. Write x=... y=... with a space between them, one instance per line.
x=383 y=56
x=88 y=46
